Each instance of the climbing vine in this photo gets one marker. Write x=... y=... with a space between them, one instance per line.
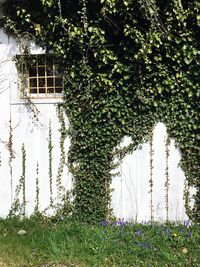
x=167 y=178
x=22 y=62
x=128 y=65
x=36 y=209
x=11 y=155
x=18 y=208
x=63 y=133
x=151 y=153
x=23 y=180
x=186 y=197
x=50 y=148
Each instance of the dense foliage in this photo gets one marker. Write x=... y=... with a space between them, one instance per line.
x=128 y=64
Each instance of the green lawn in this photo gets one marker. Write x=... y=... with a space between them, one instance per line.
x=69 y=243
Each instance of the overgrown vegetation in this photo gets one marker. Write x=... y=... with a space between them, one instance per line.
x=128 y=64
x=46 y=243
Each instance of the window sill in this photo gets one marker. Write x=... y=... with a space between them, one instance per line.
x=38 y=101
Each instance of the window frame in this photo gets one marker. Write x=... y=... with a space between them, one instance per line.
x=44 y=71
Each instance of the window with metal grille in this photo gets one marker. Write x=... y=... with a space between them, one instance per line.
x=41 y=77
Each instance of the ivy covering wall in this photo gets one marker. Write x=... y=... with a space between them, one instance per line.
x=128 y=65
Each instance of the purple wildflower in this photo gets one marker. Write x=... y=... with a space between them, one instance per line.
x=104 y=223
x=120 y=222
x=186 y=223
x=138 y=233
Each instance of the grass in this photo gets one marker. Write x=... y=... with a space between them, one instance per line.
x=70 y=243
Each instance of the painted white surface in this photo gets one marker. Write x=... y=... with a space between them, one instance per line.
x=130 y=199
x=26 y=130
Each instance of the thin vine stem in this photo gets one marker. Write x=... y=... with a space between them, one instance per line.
x=37 y=189
x=167 y=178
x=151 y=153
x=50 y=149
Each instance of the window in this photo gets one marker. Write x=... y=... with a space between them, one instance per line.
x=41 y=77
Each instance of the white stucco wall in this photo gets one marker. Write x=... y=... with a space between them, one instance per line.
x=130 y=198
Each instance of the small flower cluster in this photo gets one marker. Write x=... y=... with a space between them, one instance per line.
x=136 y=239
x=177 y=232
x=144 y=235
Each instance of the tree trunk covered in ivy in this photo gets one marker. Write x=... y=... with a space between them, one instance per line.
x=128 y=64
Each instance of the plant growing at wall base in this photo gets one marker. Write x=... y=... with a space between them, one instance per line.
x=37 y=190
x=167 y=178
x=50 y=149
x=151 y=154
x=18 y=208
x=62 y=163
